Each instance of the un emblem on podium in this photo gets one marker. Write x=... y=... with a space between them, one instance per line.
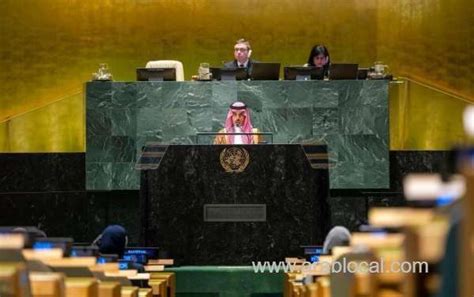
x=234 y=159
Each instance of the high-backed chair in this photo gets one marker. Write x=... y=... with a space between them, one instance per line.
x=177 y=65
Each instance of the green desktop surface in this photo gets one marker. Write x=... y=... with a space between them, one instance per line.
x=226 y=281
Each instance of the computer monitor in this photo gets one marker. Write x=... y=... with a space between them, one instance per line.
x=343 y=71
x=156 y=74
x=312 y=252
x=63 y=243
x=303 y=73
x=265 y=71
x=125 y=264
x=140 y=255
x=107 y=258
x=84 y=251
x=228 y=73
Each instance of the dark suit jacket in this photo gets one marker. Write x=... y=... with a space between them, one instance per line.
x=233 y=64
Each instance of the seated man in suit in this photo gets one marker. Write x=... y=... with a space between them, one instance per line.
x=237 y=121
x=242 y=52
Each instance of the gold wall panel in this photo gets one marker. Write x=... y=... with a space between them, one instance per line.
x=424 y=118
x=48 y=48
x=56 y=127
x=431 y=41
x=4 y=138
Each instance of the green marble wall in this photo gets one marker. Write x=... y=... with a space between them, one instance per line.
x=350 y=116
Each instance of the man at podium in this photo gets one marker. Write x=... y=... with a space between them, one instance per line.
x=238 y=122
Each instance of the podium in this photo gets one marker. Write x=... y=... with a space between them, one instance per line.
x=233 y=204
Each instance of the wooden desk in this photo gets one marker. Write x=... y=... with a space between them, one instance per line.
x=48 y=284
x=82 y=287
x=159 y=287
x=109 y=289
x=145 y=292
x=129 y=292
x=170 y=278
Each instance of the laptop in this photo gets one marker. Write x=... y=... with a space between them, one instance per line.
x=265 y=71
x=156 y=74
x=303 y=73
x=228 y=73
x=343 y=71
x=84 y=251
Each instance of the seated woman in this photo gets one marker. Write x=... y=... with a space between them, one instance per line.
x=238 y=121
x=319 y=57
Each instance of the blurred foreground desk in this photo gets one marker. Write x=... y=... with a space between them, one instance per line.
x=231 y=205
x=351 y=117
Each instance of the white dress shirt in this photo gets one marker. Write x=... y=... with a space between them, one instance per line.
x=238 y=138
x=244 y=64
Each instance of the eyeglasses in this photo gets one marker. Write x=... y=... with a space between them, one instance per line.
x=240 y=49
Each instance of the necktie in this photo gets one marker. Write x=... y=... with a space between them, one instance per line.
x=241 y=65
